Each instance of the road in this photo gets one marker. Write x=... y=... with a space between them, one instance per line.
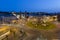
x=4 y=35
x=31 y=33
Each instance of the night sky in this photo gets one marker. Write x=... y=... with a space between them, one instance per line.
x=30 y=5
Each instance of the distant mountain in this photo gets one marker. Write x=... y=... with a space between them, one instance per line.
x=5 y=14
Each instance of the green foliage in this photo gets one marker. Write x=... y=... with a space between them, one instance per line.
x=39 y=25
